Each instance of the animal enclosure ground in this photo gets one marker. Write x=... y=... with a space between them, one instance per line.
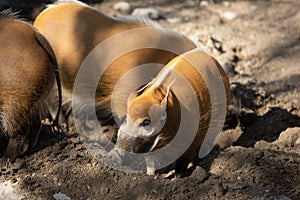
x=258 y=43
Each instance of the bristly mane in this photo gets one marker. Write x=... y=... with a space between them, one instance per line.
x=9 y=14
x=67 y=1
x=137 y=20
x=124 y=18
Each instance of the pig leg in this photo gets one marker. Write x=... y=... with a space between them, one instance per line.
x=182 y=163
x=3 y=143
x=23 y=140
x=181 y=166
x=17 y=145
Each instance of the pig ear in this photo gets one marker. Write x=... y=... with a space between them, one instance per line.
x=132 y=96
x=164 y=102
x=135 y=94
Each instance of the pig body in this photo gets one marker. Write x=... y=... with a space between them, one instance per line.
x=154 y=114
x=74 y=29
x=28 y=72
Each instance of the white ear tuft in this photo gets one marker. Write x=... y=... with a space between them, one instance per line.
x=135 y=93
x=164 y=102
x=144 y=87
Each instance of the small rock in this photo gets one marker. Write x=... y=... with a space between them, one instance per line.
x=228 y=137
x=174 y=20
x=18 y=165
x=215 y=52
x=210 y=43
x=61 y=196
x=215 y=44
x=122 y=6
x=218 y=45
x=229 y=15
x=282 y=198
x=226 y=3
x=104 y=190
x=289 y=137
x=261 y=92
x=203 y=3
x=200 y=173
x=186 y=19
x=154 y=191
x=146 y=12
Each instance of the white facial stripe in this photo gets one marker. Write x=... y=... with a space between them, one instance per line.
x=134 y=129
x=129 y=128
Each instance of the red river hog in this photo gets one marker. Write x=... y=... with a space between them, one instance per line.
x=75 y=29
x=117 y=45
x=155 y=112
x=28 y=72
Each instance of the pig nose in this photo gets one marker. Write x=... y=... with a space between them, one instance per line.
x=126 y=142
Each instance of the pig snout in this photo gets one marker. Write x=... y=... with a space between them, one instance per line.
x=134 y=144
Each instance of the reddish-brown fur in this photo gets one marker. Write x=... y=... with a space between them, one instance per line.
x=73 y=30
x=140 y=104
x=28 y=70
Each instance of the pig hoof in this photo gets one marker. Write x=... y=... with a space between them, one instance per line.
x=55 y=127
x=3 y=144
x=179 y=174
x=17 y=146
x=180 y=168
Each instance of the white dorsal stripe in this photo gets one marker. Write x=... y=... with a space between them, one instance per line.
x=144 y=87
x=164 y=75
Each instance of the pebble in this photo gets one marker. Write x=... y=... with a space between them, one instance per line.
x=203 y=3
x=210 y=43
x=122 y=6
x=229 y=15
x=282 y=198
x=154 y=191
x=146 y=12
x=226 y=3
x=18 y=165
x=229 y=69
x=174 y=20
x=186 y=19
x=61 y=196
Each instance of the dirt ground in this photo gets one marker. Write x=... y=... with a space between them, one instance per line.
x=258 y=43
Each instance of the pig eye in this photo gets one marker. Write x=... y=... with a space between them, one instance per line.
x=146 y=122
